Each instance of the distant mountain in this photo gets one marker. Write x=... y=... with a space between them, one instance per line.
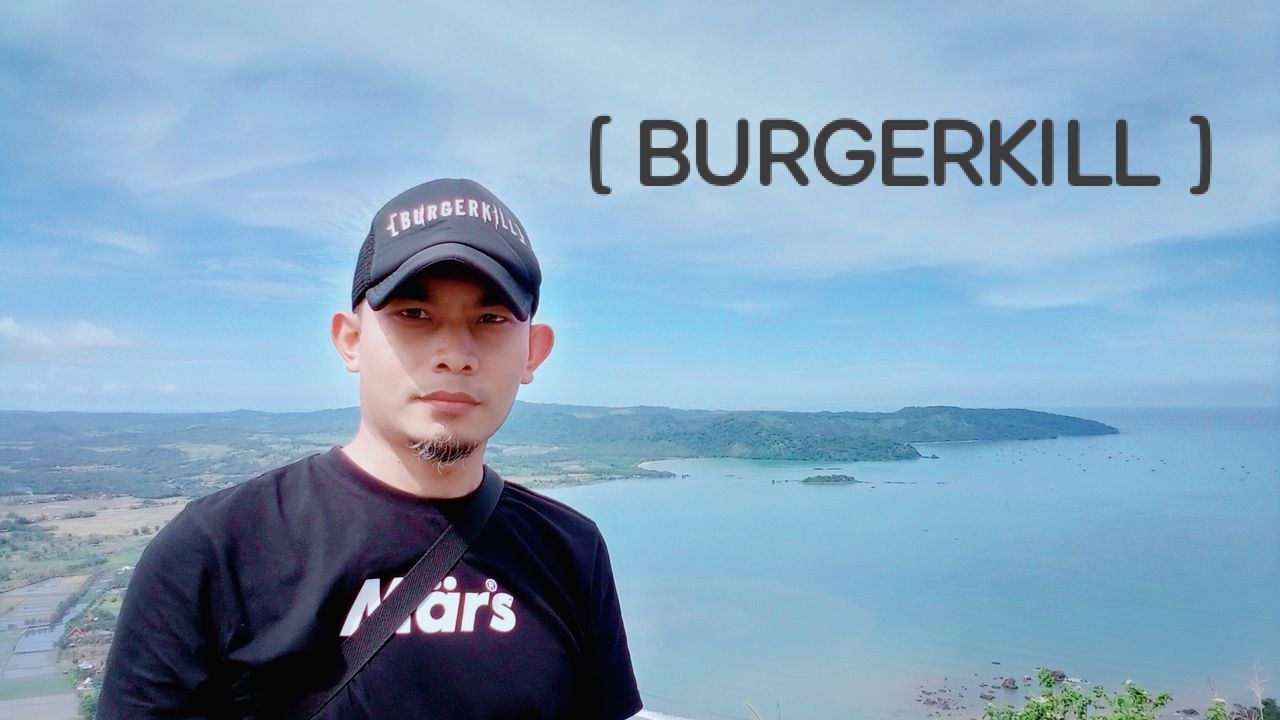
x=155 y=455
x=778 y=435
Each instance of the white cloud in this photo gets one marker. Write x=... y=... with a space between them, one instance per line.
x=165 y=389
x=261 y=277
x=1076 y=284
x=132 y=242
x=191 y=115
x=76 y=344
x=1238 y=339
x=114 y=388
x=265 y=291
x=219 y=132
x=750 y=308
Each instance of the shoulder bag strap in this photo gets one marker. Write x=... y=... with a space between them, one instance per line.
x=359 y=648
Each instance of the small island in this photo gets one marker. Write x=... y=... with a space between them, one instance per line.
x=830 y=480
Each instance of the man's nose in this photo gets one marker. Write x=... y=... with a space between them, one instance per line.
x=455 y=351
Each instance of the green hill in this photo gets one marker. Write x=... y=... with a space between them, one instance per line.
x=158 y=455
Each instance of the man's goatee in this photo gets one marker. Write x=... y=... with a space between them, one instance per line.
x=445 y=451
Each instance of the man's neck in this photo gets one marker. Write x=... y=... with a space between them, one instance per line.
x=401 y=468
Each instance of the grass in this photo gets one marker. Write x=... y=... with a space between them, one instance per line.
x=756 y=713
x=60 y=553
x=102 y=516
x=112 y=601
x=1059 y=701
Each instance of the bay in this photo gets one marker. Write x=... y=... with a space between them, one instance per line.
x=1152 y=555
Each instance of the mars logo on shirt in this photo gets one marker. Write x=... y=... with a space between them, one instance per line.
x=445 y=610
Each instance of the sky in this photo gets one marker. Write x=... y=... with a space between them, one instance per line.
x=184 y=188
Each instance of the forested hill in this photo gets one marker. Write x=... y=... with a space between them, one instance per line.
x=783 y=435
x=158 y=455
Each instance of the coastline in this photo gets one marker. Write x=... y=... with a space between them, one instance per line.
x=1153 y=457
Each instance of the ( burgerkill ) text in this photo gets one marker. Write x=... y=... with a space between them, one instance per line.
x=956 y=144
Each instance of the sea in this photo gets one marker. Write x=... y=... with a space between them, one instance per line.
x=1150 y=556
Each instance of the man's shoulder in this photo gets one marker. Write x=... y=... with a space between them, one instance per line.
x=208 y=525
x=529 y=505
x=265 y=490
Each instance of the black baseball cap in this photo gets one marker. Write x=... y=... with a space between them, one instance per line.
x=447 y=219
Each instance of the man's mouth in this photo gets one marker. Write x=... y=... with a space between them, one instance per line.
x=450 y=401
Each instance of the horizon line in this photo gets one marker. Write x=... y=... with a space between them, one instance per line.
x=1044 y=408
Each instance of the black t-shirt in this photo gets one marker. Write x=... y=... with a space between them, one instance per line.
x=240 y=604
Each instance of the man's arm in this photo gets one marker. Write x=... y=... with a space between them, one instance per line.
x=610 y=680
x=165 y=642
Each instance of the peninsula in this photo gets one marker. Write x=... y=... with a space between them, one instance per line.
x=147 y=455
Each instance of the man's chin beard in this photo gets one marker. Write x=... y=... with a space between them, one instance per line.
x=445 y=450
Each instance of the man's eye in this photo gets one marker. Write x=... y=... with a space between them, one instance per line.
x=415 y=313
x=493 y=318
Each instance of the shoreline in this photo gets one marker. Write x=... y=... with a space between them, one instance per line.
x=912 y=695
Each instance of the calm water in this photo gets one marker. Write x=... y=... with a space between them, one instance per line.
x=1153 y=555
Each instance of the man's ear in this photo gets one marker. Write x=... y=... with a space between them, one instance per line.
x=541 y=338
x=344 y=330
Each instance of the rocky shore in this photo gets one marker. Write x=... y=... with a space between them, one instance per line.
x=968 y=698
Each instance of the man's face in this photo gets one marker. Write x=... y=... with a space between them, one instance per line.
x=445 y=331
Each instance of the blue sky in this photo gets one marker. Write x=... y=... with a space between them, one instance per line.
x=183 y=192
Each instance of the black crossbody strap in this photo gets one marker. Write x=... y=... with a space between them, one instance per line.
x=426 y=573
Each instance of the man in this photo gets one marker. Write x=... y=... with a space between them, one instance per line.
x=238 y=607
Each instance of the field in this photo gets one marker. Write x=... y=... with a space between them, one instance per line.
x=49 y=536
x=31 y=683
x=49 y=548
x=35 y=604
x=93 y=516
x=59 y=706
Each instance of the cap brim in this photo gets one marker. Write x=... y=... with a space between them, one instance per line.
x=517 y=298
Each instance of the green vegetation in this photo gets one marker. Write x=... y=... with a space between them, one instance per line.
x=86 y=641
x=16 y=531
x=192 y=454
x=30 y=552
x=89 y=704
x=1132 y=703
x=830 y=480
x=34 y=688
